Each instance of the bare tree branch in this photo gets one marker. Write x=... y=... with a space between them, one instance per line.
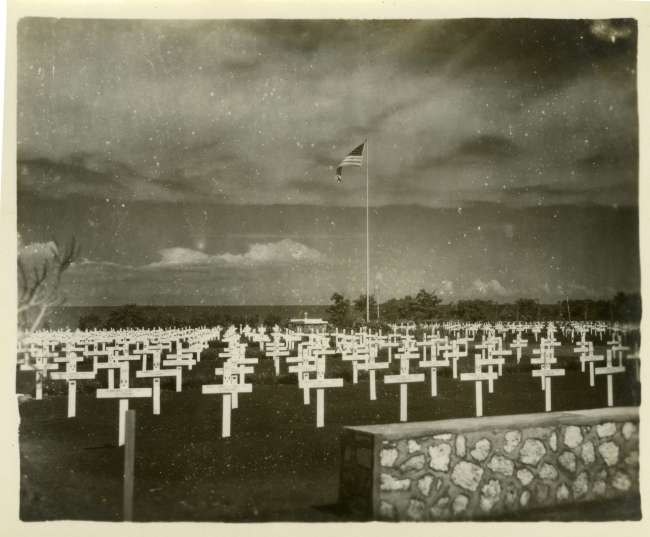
x=39 y=287
x=22 y=280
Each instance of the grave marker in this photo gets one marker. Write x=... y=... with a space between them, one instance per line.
x=230 y=386
x=546 y=373
x=123 y=393
x=71 y=375
x=372 y=366
x=320 y=383
x=39 y=364
x=519 y=344
x=478 y=376
x=356 y=354
x=156 y=373
x=432 y=365
x=276 y=349
x=404 y=378
x=609 y=369
x=546 y=354
x=590 y=358
x=456 y=353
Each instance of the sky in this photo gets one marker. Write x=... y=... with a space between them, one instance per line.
x=194 y=161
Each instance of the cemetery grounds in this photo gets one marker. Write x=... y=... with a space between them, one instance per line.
x=276 y=465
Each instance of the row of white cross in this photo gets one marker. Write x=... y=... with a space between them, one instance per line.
x=598 y=329
x=361 y=350
x=305 y=355
x=183 y=349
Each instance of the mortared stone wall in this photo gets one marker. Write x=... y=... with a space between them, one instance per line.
x=486 y=467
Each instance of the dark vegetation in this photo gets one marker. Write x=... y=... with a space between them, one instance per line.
x=427 y=306
x=346 y=313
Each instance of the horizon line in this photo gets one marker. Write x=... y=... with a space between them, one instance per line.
x=471 y=204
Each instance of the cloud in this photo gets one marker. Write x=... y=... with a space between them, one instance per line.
x=481 y=149
x=89 y=263
x=258 y=255
x=492 y=287
x=286 y=251
x=257 y=112
x=92 y=175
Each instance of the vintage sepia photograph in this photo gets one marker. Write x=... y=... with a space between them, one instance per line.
x=327 y=269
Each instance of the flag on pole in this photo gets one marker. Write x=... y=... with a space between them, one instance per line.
x=355 y=158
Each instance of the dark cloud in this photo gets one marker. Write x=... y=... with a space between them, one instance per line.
x=560 y=190
x=247 y=111
x=502 y=153
x=87 y=175
x=58 y=179
x=566 y=194
x=483 y=149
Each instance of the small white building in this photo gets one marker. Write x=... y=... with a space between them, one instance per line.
x=308 y=326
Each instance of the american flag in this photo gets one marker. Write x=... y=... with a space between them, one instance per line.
x=355 y=158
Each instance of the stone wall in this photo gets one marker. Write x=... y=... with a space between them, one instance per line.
x=486 y=467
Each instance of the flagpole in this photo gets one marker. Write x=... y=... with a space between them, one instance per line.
x=367 y=237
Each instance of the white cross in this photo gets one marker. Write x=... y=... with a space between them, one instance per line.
x=498 y=353
x=179 y=359
x=372 y=366
x=100 y=350
x=583 y=350
x=519 y=343
x=610 y=370
x=320 y=383
x=123 y=393
x=261 y=338
x=478 y=376
x=38 y=363
x=156 y=373
x=456 y=353
x=546 y=372
x=276 y=349
x=71 y=375
x=546 y=357
x=588 y=357
x=313 y=360
x=242 y=367
x=390 y=344
x=231 y=373
x=356 y=354
x=304 y=364
x=141 y=348
x=292 y=339
x=404 y=378
x=617 y=349
x=550 y=331
x=432 y=365
x=490 y=358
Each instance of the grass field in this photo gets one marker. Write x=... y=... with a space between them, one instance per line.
x=276 y=465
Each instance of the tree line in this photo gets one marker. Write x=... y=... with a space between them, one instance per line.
x=427 y=306
x=424 y=306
